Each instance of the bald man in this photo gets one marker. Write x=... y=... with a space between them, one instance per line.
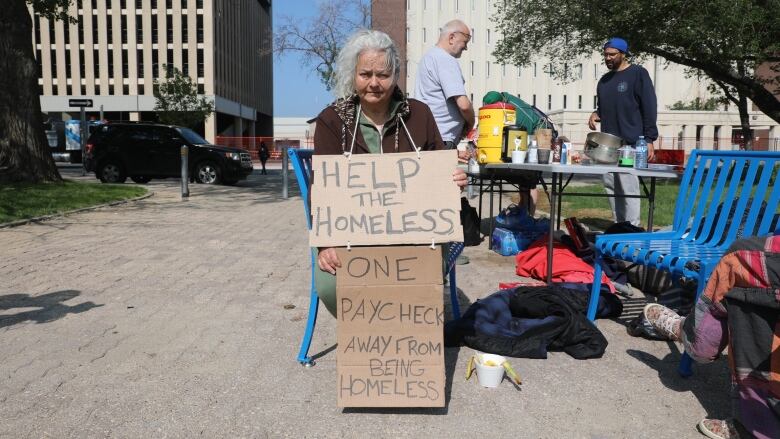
x=440 y=83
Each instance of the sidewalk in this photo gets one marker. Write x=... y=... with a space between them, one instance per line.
x=168 y=318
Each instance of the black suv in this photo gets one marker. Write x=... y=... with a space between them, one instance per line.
x=143 y=151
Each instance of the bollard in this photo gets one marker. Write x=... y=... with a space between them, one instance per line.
x=185 y=174
x=285 y=160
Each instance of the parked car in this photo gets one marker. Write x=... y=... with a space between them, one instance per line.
x=143 y=151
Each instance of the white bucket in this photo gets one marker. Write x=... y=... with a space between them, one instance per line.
x=490 y=376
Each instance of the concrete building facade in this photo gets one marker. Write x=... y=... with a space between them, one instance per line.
x=118 y=48
x=569 y=104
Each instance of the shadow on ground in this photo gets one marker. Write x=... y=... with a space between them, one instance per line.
x=51 y=307
x=709 y=384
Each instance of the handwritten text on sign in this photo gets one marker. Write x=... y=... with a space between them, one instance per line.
x=385 y=199
x=390 y=327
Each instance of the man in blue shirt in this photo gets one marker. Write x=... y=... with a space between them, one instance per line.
x=627 y=109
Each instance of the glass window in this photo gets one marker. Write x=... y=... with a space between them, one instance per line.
x=564 y=102
x=191 y=136
x=139 y=29
x=200 y=63
x=124 y=28
x=199 y=28
x=169 y=28
x=549 y=102
x=579 y=102
x=139 y=57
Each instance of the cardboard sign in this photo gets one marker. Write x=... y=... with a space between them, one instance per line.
x=383 y=199
x=390 y=327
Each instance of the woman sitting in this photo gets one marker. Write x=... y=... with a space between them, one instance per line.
x=371 y=116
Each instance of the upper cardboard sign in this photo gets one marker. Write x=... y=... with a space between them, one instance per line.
x=384 y=199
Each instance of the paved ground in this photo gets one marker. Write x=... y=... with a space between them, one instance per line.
x=164 y=318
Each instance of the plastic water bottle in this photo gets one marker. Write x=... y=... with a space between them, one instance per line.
x=533 y=153
x=640 y=158
x=564 y=152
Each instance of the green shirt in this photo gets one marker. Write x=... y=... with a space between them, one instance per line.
x=370 y=132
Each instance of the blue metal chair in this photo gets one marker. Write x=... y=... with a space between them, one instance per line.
x=724 y=195
x=301 y=162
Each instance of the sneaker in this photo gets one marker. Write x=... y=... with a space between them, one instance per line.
x=666 y=322
x=718 y=429
x=462 y=260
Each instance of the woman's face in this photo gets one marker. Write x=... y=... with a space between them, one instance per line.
x=374 y=81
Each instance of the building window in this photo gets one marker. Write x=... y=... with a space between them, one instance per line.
x=155 y=64
x=579 y=102
x=69 y=90
x=169 y=64
x=96 y=63
x=139 y=5
x=94 y=4
x=139 y=57
x=95 y=30
x=201 y=89
x=83 y=90
x=200 y=63
x=595 y=102
x=579 y=71
x=534 y=72
x=199 y=28
x=473 y=36
x=81 y=28
x=154 y=30
x=408 y=35
x=66 y=33
x=169 y=28
x=110 y=62
x=487 y=69
x=168 y=4
x=125 y=65
x=472 y=68
x=595 y=71
x=424 y=35
x=564 y=102
x=37 y=26
x=488 y=36
x=51 y=31
x=503 y=69
x=140 y=89
x=199 y=4
x=39 y=63
x=53 y=55
x=109 y=29
x=139 y=29
x=549 y=102
x=67 y=64
x=122 y=4
x=184 y=29
x=519 y=71
x=124 y=28
x=125 y=89
x=534 y=101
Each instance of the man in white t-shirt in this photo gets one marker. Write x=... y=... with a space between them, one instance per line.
x=440 y=83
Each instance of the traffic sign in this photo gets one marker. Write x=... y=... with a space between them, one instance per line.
x=80 y=102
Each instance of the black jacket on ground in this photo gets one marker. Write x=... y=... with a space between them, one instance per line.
x=527 y=322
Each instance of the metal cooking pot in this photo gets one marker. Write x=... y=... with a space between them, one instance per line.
x=603 y=147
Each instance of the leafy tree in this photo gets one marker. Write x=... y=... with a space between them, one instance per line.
x=177 y=100
x=697 y=104
x=320 y=38
x=725 y=40
x=24 y=152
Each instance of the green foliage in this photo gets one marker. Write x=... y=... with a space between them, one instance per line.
x=30 y=200
x=178 y=102
x=724 y=39
x=697 y=104
x=52 y=9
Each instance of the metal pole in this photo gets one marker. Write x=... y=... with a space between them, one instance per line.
x=83 y=140
x=285 y=159
x=185 y=177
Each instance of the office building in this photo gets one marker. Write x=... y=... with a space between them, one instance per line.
x=118 y=48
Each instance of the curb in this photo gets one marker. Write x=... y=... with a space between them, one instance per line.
x=38 y=219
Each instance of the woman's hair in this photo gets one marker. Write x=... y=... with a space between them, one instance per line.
x=346 y=62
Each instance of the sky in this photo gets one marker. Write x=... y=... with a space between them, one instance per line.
x=298 y=91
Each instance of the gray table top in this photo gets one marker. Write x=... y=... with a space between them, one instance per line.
x=582 y=169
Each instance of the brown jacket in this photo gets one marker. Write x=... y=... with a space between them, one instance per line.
x=336 y=125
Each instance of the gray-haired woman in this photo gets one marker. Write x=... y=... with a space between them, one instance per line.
x=371 y=115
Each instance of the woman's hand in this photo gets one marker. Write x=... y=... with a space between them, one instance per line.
x=460 y=178
x=328 y=260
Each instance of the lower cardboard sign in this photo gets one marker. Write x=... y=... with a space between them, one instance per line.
x=391 y=339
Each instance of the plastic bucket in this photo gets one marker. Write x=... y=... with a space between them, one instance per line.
x=490 y=369
x=492 y=119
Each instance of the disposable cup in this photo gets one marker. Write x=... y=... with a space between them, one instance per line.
x=518 y=156
x=544 y=155
x=490 y=376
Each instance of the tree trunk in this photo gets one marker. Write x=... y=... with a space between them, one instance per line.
x=24 y=150
x=744 y=120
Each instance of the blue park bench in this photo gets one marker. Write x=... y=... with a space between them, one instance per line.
x=724 y=195
x=301 y=161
